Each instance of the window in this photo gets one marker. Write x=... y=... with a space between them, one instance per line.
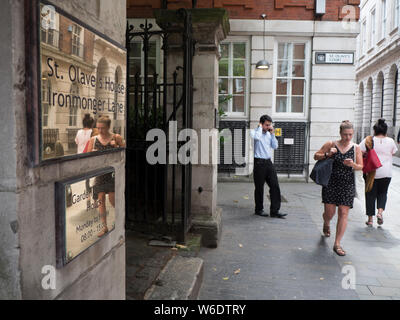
x=77 y=47
x=364 y=37
x=290 y=78
x=137 y=65
x=136 y=56
x=233 y=77
x=73 y=111
x=384 y=19
x=373 y=28
x=49 y=34
x=46 y=93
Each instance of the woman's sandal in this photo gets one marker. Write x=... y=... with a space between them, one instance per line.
x=339 y=251
x=327 y=231
x=369 y=223
x=380 y=218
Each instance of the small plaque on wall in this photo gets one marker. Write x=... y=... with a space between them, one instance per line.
x=334 y=58
x=85 y=212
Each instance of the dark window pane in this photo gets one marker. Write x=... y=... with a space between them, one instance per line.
x=135 y=49
x=239 y=69
x=135 y=66
x=281 y=104
x=298 y=69
x=297 y=104
x=152 y=67
x=223 y=102
x=239 y=86
x=283 y=68
x=299 y=51
x=224 y=50
x=238 y=104
x=298 y=87
x=283 y=50
x=223 y=67
x=223 y=86
x=152 y=49
x=239 y=50
x=282 y=86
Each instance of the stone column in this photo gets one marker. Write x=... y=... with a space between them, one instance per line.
x=210 y=27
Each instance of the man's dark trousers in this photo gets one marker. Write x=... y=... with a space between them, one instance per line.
x=264 y=171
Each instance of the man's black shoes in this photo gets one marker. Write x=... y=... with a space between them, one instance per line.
x=278 y=215
x=262 y=213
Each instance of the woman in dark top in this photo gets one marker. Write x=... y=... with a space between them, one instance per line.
x=104 y=184
x=340 y=191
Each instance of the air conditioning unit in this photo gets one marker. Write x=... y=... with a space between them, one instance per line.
x=320 y=7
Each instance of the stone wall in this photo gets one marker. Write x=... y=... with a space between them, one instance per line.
x=27 y=215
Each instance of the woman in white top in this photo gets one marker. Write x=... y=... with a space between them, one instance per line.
x=83 y=135
x=384 y=147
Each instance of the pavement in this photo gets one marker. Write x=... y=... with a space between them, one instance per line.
x=263 y=258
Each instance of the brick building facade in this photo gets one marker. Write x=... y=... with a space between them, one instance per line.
x=250 y=9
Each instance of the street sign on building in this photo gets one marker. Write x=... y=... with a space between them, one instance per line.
x=334 y=58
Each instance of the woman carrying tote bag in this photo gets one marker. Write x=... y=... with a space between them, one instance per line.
x=378 y=181
x=340 y=191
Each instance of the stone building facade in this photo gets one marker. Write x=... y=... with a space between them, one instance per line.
x=378 y=62
x=306 y=100
x=27 y=213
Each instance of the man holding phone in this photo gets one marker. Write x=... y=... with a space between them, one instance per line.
x=264 y=170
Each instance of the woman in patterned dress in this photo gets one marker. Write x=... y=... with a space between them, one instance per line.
x=104 y=184
x=340 y=191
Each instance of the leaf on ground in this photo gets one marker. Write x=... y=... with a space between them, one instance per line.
x=237 y=271
x=225 y=278
x=240 y=245
x=246 y=197
x=235 y=201
x=181 y=246
x=214 y=269
x=321 y=279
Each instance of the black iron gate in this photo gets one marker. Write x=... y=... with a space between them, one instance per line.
x=290 y=157
x=158 y=196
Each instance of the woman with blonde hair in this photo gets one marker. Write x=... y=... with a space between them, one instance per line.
x=340 y=191
x=104 y=184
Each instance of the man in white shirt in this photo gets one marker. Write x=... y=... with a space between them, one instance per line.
x=264 y=170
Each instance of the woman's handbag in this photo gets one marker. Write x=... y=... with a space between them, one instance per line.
x=371 y=161
x=321 y=173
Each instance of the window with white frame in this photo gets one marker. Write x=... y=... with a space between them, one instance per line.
x=233 y=77
x=73 y=110
x=291 y=74
x=136 y=57
x=384 y=19
x=48 y=31
x=77 y=47
x=137 y=65
x=364 y=37
x=372 y=38
x=46 y=93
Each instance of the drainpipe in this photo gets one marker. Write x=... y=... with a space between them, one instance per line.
x=309 y=111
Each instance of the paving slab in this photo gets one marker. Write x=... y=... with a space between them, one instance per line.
x=290 y=259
